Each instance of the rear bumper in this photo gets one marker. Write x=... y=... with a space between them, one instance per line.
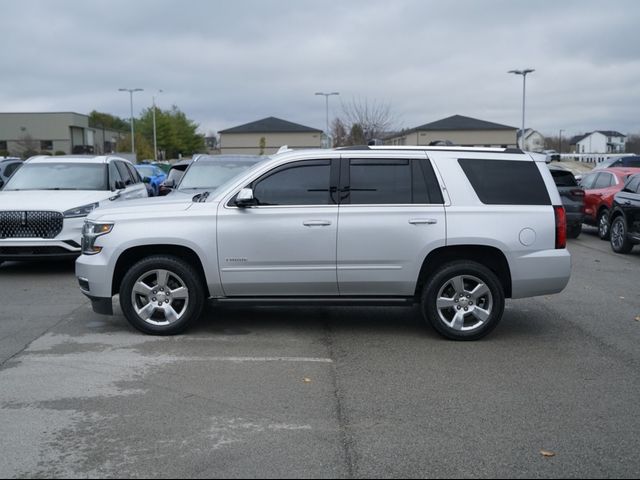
x=541 y=273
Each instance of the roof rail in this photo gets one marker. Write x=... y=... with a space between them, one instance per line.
x=284 y=149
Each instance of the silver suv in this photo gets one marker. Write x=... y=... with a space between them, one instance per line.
x=454 y=229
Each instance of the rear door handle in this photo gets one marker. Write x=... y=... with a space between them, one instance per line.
x=316 y=223
x=423 y=221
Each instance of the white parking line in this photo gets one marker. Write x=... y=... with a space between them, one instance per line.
x=263 y=359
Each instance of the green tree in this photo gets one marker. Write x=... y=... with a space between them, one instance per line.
x=176 y=134
x=106 y=120
x=144 y=149
x=263 y=145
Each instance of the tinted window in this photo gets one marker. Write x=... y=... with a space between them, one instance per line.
x=212 y=174
x=133 y=173
x=114 y=176
x=604 y=180
x=506 y=182
x=634 y=184
x=389 y=182
x=564 y=179
x=301 y=183
x=8 y=171
x=588 y=181
x=124 y=173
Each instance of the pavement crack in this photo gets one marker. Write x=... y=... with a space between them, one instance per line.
x=346 y=439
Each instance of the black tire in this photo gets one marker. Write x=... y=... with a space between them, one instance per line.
x=574 y=231
x=604 y=229
x=619 y=239
x=181 y=277
x=471 y=328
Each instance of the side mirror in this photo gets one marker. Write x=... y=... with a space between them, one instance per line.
x=120 y=185
x=245 y=198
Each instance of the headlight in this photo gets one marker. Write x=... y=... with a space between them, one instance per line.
x=90 y=232
x=81 y=211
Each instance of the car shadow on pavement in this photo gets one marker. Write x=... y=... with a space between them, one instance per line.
x=43 y=267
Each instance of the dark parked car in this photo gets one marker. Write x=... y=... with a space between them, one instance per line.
x=572 y=199
x=628 y=161
x=173 y=177
x=625 y=217
x=600 y=186
x=8 y=166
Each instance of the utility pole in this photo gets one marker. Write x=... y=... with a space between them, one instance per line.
x=524 y=93
x=155 y=134
x=131 y=92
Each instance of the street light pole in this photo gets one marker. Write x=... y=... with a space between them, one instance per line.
x=326 y=96
x=560 y=141
x=155 y=135
x=524 y=93
x=131 y=92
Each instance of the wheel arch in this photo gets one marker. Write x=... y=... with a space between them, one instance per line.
x=491 y=257
x=135 y=254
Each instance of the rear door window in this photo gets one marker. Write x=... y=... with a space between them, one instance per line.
x=604 y=180
x=391 y=182
x=506 y=182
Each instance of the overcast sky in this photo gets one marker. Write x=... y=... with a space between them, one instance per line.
x=226 y=63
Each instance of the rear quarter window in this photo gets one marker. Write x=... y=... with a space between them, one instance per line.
x=506 y=182
x=564 y=179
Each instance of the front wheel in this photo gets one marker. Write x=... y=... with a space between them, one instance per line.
x=162 y=295
x=603 y=225
x=463 y=300
x=619 y=240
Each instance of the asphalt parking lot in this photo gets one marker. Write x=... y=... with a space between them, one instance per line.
x=323 y=392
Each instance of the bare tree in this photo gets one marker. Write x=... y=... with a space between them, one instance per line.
x=372 y=117
x=339 y=133
x=633 y=143
x=27 y=146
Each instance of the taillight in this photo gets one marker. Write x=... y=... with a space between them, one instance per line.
x=561 y=227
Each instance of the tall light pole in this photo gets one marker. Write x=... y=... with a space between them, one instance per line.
x=155 y=135
x=326 y=97
x=131 y=92
x=560 y=141
x=524 y=93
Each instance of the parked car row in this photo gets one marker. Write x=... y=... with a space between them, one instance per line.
x=8 y=167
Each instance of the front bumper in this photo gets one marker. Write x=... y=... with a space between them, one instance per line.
x=67 y=244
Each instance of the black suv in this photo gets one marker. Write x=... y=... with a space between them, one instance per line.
x=625 y=217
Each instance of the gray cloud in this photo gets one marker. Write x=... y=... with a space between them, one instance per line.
x=226 y=63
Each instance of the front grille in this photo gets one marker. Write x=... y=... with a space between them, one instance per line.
x=30 y=224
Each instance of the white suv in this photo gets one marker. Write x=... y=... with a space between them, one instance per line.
x=44 y=203
x=457 y=230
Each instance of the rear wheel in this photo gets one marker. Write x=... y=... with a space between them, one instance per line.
x=464 y=300
x=619 y=240
x=574 y=231
x=603 y=225
x=162 y=295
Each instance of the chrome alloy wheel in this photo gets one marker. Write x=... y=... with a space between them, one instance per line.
x=464 y=303
x=618 y=234
x=160 y=297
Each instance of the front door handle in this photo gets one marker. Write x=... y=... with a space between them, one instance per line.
x=423 y=221
x=316 y=223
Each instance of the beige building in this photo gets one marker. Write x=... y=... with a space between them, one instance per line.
x=266 y=136
x=53 y=132
x=459 y=130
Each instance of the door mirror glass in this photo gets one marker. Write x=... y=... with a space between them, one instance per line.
x=245 y=198
x=120 y=185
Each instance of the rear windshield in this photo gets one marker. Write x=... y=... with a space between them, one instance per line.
x=506 y=182
x=564 y=179
x=59 y=176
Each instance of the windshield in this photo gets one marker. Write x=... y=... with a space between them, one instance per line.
x=146 y=170
x=210 y=175
x=59 y=176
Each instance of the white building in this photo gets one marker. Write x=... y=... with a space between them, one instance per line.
x=533 y=140
x=600 y=141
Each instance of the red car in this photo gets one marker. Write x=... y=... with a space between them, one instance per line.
x=600 y=187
